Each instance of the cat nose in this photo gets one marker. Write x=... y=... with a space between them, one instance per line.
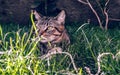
x=50 y=32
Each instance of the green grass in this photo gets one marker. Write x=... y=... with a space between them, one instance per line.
x=20 y=52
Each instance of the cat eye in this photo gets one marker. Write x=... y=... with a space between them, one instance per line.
x=50 y=28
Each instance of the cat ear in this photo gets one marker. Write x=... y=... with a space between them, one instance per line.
x=37 y=16
x=61 y=17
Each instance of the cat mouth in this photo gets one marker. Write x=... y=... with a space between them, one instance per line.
x=48 y=39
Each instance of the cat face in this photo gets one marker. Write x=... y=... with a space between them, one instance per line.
x=51 y=29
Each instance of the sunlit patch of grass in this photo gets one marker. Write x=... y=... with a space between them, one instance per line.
x=19 y=55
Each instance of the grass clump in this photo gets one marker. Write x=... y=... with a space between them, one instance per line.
x=19 y=55
x=88 y=42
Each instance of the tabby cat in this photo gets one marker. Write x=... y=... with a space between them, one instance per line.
x=51 y=31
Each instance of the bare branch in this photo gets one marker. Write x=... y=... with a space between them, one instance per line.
x=98 y=3
x=98 y=18
x=106 y=20
x=96 y=14
x=106 y=15
x=114 y=19
x=107 y=2
x=83 y=2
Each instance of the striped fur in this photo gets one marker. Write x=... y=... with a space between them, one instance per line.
x=51 y=30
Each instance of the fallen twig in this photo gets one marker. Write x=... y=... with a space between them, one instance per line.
x=58 y=51
x=98 y=63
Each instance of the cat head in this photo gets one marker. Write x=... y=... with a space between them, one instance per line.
x=50 y=28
